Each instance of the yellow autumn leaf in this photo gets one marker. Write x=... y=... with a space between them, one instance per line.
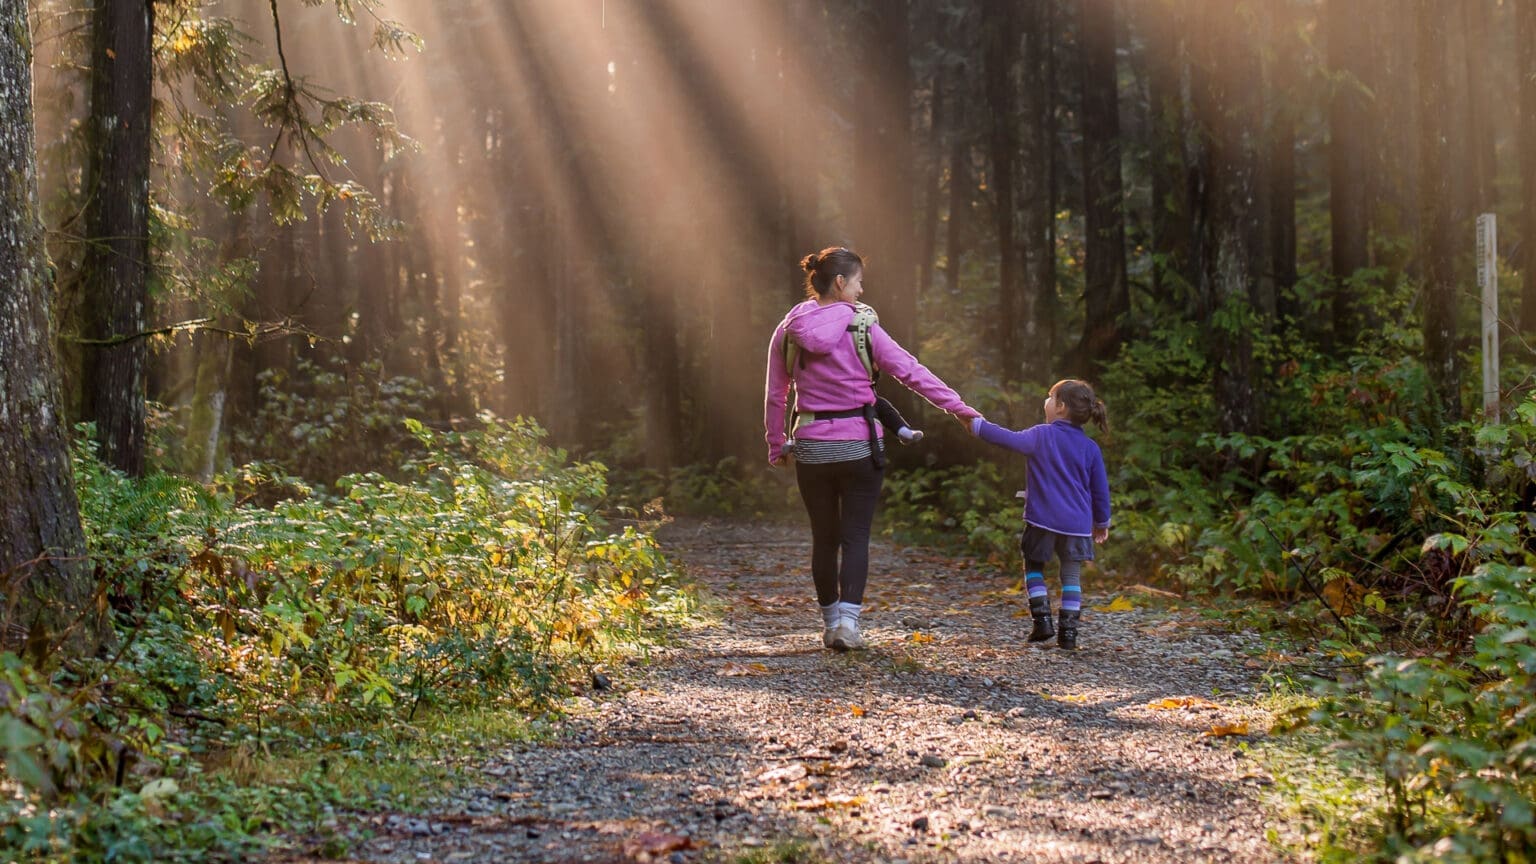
x=1174 y=702
x=1018 y=588
x=830 y=802
x=1119 y=604
x=736 y=670
x=921 y=638
x=1076 y=698
x=1223 y=731
x=856 y=711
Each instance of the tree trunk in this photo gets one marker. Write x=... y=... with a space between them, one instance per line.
x=1281 y=168
x=1000 y=56
x=1438 y=230
x=1352 y=132
x=116 y=265
x=43 y=569
x=1106 y=296
x=881 y=207
x=1481 y=164
x=1037 y=204
x=1525 y=26
x=1228 y=99
x=928 y=234
x=960 y=185
x=1170 y=184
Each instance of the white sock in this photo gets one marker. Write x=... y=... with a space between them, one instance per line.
x=831 y=614
x=850 y=613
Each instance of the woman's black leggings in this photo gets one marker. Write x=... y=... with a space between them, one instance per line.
x=840 y=498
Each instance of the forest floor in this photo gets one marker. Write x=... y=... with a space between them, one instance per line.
x=950 y=739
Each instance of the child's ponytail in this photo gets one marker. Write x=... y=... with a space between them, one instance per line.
x=1100 y=415
x=1082 y=405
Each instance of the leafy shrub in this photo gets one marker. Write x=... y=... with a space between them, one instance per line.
x=1452 y=738
x=328 y=420
x=485 y=575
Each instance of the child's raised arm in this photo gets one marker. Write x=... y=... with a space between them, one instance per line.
x=1022 y=441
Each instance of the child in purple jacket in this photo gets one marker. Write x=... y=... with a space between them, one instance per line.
x=1067 y=510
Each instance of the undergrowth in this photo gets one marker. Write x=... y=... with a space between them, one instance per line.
x=277 y=644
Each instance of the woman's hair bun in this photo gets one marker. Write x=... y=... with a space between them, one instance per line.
x=810 y=262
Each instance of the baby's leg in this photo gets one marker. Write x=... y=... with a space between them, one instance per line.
x=891 y=419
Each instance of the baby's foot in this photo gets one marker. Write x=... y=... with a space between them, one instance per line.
x=909 y=435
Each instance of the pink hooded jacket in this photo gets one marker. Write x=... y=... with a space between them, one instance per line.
x=830 y=377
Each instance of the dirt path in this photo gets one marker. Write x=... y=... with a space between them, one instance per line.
x=748 y=741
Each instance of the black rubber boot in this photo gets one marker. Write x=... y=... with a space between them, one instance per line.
x=1040 y=610
x=1066 y=632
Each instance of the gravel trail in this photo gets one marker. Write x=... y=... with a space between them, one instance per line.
x=950 y=740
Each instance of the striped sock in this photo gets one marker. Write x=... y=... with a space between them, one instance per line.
x=1034 y=582
x=1071 y=586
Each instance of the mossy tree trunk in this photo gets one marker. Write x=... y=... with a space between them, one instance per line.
x=43 y=572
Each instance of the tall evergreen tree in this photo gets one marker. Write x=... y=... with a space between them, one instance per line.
x=1106 y=293
x=1227 y=98
x=1351 y=137
x=1437 y=227
x=1000 y=57
x=42 y=547
x=1525 y=39
x=115 y=270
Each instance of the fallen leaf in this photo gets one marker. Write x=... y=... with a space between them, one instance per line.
x=856 y=711
x=1151 y=592
x=1119 y=604
x=1077 y=698
x=1018 y=588
x=1175 y=702
x=829 y=802
x=783 y=774
x=736 y=670
x=1021 y=613
x=922 y=638
x=653 y=843
x=1343 y=595
x=1225 y=730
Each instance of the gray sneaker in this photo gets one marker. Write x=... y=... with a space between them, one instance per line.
x=845 y=637
x=829 y=637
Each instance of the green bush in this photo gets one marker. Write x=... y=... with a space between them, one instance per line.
x=484 y=576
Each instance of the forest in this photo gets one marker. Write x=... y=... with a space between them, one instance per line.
x=357 y=355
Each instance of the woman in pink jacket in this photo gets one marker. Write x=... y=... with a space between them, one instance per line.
x=837 y=441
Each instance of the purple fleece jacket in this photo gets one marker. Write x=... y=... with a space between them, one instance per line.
x=832 y=377
x=1068 y=487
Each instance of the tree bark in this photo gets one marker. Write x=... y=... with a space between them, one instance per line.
x=1481 y=166
x=116 y=265
x=1437 y=228
x=1037 y=204
x=1000 y=56
x=43 y=569
x=1227 y=102
x=1281 y=168
x=1170 y=183
x=960 y=184
x=1525 y=26
x=881 y=207
x=1106 y=295
x=1351 y=128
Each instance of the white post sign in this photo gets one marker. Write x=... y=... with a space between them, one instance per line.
x=1488 y=281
